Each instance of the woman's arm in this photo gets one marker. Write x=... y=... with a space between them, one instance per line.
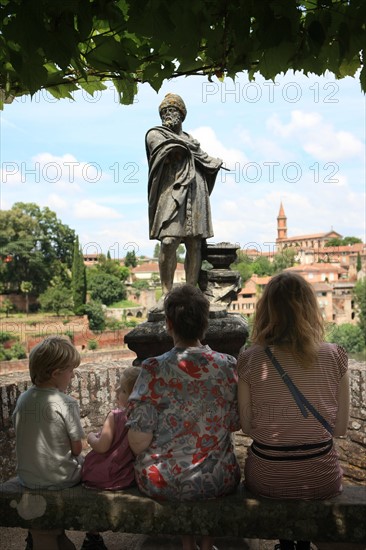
x=245 y=406
x=102 y=443
x=341 y=423
x=139 y=441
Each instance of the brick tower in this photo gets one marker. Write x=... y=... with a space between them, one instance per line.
x=281 y=225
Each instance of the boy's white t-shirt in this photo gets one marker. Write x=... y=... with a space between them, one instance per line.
x=45 y=421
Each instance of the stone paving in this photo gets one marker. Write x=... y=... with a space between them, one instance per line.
x=13 y=539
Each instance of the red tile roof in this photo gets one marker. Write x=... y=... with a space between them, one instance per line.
x=152 y=267
x=311 y=236
x=317 y=267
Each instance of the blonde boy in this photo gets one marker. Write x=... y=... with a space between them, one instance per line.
x=47 y=421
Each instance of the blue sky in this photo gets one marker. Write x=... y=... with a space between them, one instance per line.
x=300 y=140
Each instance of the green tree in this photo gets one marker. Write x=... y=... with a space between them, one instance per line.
x=64 y=46
x=284 y=259
x=359 y=293
x=243 y=264
x=358 y=262
x=96 y=316
x=109 y=266
x=181 y=251
x=78 y=281
x=57 y=299
x=156 y=250
x=130 y=259
x=106 y=288
x=6 y=306
x=351 y=240
x=26 y=287
x=336 y=241
x=245 y=270
x=349 y=336
x=38 y=245
x=140 y=284
x=262 y=266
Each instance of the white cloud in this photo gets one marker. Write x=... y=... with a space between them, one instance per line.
x=299 y=121
x=10 y=174
x=317 y=137
x=88 y=209
x=66 y=170
x=213 y=147
x=328 y=144
x=118 y=237
x=54 y=201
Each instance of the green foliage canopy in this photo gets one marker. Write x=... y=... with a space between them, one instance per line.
x=34 y=247
x=349 y=336
x=343 y=242
x=130 y=259
x=107 y=265
x=106 y=288
x=261 y=266
x=57 y=299
x=78 y=281
x=359 y=293
x=284 y=259
x=96 y=316
x=62 y=45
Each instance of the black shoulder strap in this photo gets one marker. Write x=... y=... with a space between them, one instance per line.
x=299 y=397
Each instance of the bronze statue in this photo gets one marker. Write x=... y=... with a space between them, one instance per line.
x=181 y=179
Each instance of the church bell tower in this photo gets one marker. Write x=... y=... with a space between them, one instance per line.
x=281 y=224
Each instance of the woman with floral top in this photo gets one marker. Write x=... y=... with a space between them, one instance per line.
x=182 y=412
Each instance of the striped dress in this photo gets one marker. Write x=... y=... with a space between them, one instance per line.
x=277 y=421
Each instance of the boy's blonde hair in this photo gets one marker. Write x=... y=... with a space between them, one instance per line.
x=128 y=379
x=54 y=352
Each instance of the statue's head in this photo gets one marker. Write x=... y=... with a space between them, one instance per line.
x=173 y=100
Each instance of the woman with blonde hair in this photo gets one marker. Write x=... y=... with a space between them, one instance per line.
x=293 y=398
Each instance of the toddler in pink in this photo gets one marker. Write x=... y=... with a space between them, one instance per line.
x=110 y=464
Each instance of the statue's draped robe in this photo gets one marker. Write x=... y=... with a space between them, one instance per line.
x=181 y=179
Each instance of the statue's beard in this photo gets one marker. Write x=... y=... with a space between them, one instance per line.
x=171 y=120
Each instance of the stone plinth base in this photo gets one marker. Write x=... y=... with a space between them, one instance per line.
x=226 y=333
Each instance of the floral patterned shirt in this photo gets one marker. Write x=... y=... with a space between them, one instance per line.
x=188 y=399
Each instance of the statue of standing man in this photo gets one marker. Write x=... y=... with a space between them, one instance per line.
x=181 y=179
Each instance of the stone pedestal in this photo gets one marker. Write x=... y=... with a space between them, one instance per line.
x=227 y=332
x=220 y=284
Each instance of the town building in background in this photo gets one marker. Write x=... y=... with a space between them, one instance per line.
x=332 y=271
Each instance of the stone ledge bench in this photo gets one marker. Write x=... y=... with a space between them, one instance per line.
x=241 y=515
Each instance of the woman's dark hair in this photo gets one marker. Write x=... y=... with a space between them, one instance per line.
x=187 y=309
x=288 y=315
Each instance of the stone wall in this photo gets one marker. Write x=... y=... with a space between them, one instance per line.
x=94 y=389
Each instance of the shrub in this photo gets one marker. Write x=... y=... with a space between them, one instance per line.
x=92 y=344
x=349 y=336
x=70 y=334
x=96 y=316
x=106 y=288
x=114 y=324
x=79 y=311
x=18 y=351
x=5 y=337
x=5 y=354
x=130 y=323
